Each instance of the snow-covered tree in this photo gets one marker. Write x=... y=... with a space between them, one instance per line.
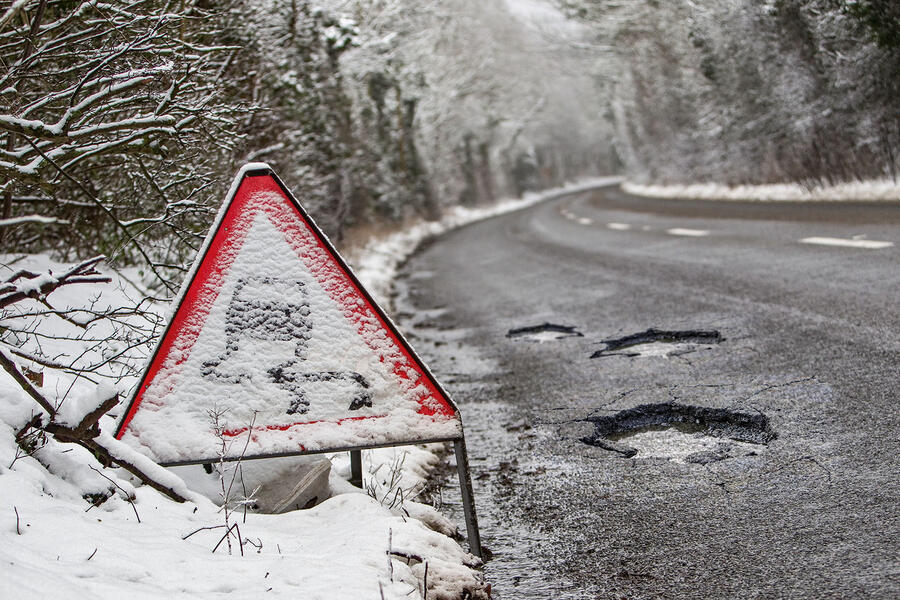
x=750 y=92
x=122 y=123
x=111 y=128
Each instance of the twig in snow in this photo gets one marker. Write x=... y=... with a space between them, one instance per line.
x=225 y=493
x=409 y=557
x=29 y=439
x=390 y=561
x=394 y=495
x=92 y=554
x=227 y=536
x=128 y=497
x=18 y=529
x=199 y=529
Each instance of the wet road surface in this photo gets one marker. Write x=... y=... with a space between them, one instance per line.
x=629 y=475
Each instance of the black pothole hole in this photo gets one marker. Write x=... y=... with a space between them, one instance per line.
x=545 y=331
x=657 y=336
x=611 y=432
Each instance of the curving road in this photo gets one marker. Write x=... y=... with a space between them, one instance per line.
x=806 y=299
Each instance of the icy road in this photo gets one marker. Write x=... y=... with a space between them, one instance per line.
x=680 y=399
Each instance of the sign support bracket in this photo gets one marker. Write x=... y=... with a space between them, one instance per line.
x=468 y=498
x=356 y=475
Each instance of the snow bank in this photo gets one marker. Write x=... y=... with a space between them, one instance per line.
x=347 y=547
x=863 y=191
x=70 y=528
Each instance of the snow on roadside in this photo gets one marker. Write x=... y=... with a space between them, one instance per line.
x=863 y=191
x=54 y=543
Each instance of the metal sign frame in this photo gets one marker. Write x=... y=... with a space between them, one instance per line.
x=462 y=465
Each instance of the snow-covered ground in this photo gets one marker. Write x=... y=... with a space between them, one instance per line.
x=863 y=191
x=70 y=528
x=55 y=544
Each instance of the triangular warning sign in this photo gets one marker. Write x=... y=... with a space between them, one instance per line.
x=274 y=344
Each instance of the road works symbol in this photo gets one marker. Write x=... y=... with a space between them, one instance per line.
x=274 y=348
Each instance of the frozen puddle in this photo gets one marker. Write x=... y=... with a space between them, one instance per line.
x=679 y=432
x=544 y=333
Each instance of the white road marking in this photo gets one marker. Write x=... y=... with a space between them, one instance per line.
x=619 y=226
x=854 y=243
x=584 y=221
x=687 y=232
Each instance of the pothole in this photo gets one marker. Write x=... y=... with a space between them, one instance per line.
x=544 y=333
x=659 y=342
x=679 y=432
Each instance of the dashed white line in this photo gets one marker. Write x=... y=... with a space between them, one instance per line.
x=619 y=226
x=687 y=232
x=854 y=243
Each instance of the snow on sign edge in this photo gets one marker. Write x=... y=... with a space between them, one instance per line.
x=437 y=416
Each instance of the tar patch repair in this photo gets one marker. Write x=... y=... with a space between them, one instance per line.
x=659 y=342
x=546 y=332
x=683 y=433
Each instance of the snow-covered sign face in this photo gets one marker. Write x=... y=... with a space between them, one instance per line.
x=274 y=339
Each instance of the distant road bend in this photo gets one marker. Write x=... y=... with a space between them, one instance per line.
x=736 y=434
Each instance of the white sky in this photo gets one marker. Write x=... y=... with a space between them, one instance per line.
x=542 y=15
x=534 y=10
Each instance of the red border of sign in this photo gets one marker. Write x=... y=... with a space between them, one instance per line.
x=193 y=303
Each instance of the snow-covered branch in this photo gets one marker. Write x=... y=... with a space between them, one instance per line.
x=31 y=219
x=24 y=284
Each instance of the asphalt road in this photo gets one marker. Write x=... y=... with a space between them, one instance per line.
x=811 y=342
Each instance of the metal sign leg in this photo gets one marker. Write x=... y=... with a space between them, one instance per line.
x=465 y=486
x=356 y=468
